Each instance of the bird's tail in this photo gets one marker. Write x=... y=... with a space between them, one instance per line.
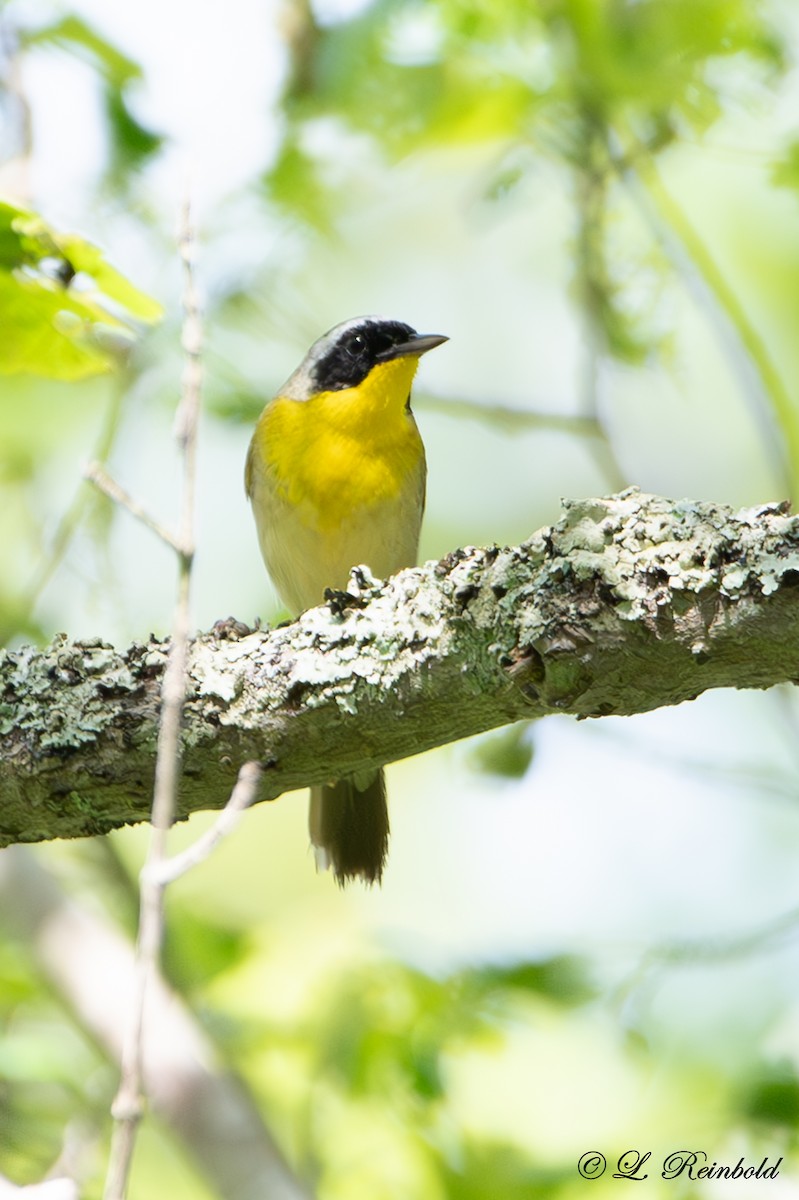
x=348 y=823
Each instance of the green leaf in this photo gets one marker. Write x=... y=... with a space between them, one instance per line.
x=58 y=298
x=36 y=336
x=89 y=260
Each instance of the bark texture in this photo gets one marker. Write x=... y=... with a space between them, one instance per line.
x=628 y=603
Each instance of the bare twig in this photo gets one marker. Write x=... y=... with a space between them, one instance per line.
x=128 y=1106
x=636 y=993
x=242 y=796
x=96 y=473
x=761 y=382
x=594 y=288
x=188 y=411
x=510 y=419
x=504 y=417
x=75 y=512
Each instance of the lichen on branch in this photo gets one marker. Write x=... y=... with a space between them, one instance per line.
x=627 y=603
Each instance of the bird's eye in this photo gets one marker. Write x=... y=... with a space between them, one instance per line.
x=355 y=344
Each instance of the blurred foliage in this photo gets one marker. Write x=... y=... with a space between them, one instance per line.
x=47 y=1069
x=376 y=1045
x=594 y=84
x=377 y=1038
x=490 y=1168
x=130 y=142
x=196 y=950
x=365 y=1023
x=772 y=1096
x=786 y=169
x=66 y=314
x=508 y=752
x=454 y=69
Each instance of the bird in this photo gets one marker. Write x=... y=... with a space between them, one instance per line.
x=336 y=475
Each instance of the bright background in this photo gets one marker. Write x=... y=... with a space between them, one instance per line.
x=586 y=937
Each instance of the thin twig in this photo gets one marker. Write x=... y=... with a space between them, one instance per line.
x=508 y=418
x=95 y=472
x=761 y=382
x=594 y=287
x=128 y=1106
x=242 y=796
x=69 y=522
x=636 y=992
x=191 y=341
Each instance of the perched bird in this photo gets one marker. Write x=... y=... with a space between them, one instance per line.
x=336 y=476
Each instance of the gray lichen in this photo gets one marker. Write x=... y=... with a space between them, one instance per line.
x=628 y=602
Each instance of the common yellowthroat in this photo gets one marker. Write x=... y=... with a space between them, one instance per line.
x=336 y=475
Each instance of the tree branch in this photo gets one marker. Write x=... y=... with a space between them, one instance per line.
x=628 y=603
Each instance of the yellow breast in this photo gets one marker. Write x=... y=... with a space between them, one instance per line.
x=345 y=450
x=338 y=480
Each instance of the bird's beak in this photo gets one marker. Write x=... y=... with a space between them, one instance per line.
x=419 y=344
